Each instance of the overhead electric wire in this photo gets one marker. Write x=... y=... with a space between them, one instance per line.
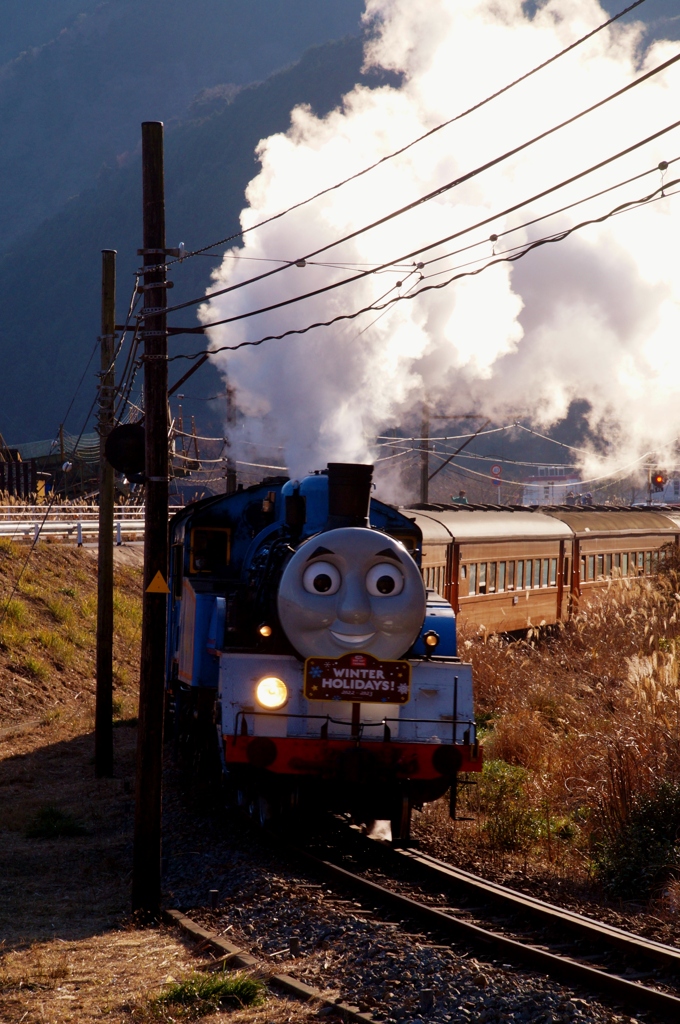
x=441 y=241
x=555 y=213
x=398 y=152
x=432 y=287
x=435 y=193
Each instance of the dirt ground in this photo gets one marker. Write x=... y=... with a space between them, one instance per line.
x=68 y=951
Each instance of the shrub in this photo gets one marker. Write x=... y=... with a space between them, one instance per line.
x=511 y=822
x=51 y=823
x=638 y=856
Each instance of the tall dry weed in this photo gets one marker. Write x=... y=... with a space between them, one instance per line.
x=591 y=708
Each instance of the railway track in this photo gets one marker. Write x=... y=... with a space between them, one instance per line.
x=627 y=970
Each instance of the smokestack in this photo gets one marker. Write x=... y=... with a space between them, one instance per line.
x=349 y=494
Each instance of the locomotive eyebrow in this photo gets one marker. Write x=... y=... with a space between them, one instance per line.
x=320 y=551
x=386 y=553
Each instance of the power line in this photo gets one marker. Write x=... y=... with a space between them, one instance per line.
x=421 y=138
x=554 y=213
x=441 y=241
x=660 y=193
x=435 y=193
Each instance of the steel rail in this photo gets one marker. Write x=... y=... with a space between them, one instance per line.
x=525 y=954
x=517 y=902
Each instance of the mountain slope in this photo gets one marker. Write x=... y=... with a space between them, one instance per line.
x=49 y=284
x=75 y=103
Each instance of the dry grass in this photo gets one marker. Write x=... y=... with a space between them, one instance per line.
x=48 y=629
x=579 y=725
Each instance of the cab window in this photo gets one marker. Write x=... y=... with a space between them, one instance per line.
x=210 y=550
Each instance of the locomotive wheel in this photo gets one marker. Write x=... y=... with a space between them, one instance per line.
x=260 y=810
x=264 y=811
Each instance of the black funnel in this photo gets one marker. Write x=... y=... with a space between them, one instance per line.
x=349 y=494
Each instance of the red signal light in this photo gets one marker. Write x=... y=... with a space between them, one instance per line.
x=658 y=480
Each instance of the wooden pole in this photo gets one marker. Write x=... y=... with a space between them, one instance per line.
x=103 y=728
x=146 y=866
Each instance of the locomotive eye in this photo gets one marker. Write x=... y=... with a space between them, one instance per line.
x=384 y=580
x=321 y=578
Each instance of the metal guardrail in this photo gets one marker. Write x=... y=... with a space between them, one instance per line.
x=68 y=523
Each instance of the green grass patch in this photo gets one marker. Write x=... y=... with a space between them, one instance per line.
x=51 y=823
x=14 y=611
x=59 y=610
x=199 y=995
x=68 y=591
x=35 y=667
x=58 y=649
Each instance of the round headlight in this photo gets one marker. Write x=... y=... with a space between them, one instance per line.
x=271 y=693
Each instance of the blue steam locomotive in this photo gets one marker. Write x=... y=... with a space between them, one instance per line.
x=300 y=628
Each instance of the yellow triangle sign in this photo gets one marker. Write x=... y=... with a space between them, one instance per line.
x=158 y=585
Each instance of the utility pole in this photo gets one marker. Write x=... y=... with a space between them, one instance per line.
x=425 y=455
x=103 y=728
x=146 y=862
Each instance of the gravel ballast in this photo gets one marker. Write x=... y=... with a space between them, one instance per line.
x=291 y=921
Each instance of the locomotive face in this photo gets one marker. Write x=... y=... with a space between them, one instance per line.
x=351 y=589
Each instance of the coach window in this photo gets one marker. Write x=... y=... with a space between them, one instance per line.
x=528 y=567
x=482 y=577
x=472 y=584
x=545 y=567
x=648 y=563
x=624 y=564
x=640 y=557
x=537 y=572
x=591 y=567
x=491 y=589
x=520 y=576
x=608 y=565
x=583 y=567
x=501 y=576
x=600 y=566
x=510 y=579
x=617 y=565
x=553 y=572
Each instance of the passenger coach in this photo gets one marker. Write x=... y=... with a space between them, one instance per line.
x=508 y=568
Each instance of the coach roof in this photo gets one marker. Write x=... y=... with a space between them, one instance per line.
x=439 y=527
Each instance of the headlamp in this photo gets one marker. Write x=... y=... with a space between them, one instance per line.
x=431 y=639
x=265 y=630
x=271 y=693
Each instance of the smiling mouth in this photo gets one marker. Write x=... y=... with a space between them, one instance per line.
x=352 y=638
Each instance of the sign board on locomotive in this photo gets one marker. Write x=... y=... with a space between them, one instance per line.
x=358 y=677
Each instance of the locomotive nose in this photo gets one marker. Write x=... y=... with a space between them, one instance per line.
x=354 y=606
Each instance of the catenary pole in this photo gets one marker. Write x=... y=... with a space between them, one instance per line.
x=425 y=455
x=103 y=728
x=146 y=868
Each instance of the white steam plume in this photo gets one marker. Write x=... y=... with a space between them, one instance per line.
x=596 y=316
